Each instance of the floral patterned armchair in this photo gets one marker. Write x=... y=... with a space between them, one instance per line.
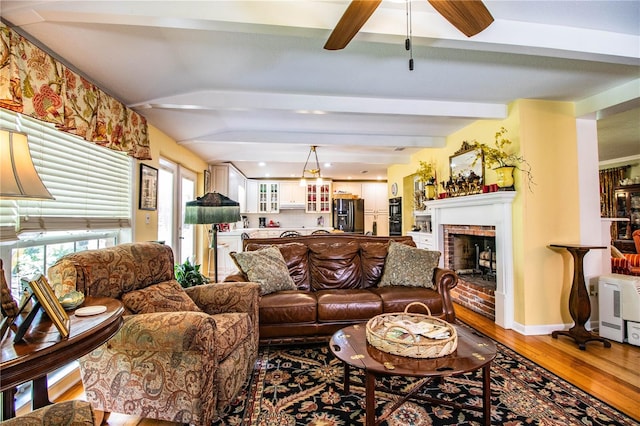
x=181 y=355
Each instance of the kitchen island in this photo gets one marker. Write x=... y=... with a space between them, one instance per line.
x=230 y=241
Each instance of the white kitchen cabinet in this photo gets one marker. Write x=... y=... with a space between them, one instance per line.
x=376 y=197
x=252 y=197
x=381 y=220
x=376 y=207
x=227 y=243
x=230 y=182
x=354 y=188
x=292 y=194
x=318 y=198
x=423 y=240
x=268 y=197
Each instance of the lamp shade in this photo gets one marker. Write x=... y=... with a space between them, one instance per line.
x=212 y=208
x=18 y=176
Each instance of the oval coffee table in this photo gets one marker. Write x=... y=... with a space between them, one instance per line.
x=473 y=352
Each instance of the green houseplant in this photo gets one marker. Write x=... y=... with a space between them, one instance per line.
x=501 y=161
x=188 y=274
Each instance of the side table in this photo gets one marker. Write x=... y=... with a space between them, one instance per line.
x=579 y=303
x=43 y=350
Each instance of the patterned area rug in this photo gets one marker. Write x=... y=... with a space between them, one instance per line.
x=294 y=386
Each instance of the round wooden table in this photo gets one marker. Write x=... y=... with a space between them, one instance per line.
x=43 y=350
x=473 y=352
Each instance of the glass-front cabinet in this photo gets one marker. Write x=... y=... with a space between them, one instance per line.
x=268 y=197
x=318 y=198
x=627 y=201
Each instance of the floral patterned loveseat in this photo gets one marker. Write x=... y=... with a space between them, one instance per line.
x=181 y=355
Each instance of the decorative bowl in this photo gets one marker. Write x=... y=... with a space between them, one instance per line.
x=71 y=300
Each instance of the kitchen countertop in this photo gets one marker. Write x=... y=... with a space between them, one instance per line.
x=239 y=231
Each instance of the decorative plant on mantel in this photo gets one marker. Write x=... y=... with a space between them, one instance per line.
x=499 y=159
x=427 y=174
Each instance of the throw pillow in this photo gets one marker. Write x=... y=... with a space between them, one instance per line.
x=167 y=296
x=616 y=253
x=265 y=267
x=409 y=266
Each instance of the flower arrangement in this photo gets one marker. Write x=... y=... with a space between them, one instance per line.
x=497 y=157
x=427 y=172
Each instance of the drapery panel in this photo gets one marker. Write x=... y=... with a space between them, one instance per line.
x=609 y=179
x=34 y=83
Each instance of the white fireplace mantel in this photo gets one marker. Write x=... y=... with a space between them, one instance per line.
x=491 y=209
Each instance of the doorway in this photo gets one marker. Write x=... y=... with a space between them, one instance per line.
x=177 y=186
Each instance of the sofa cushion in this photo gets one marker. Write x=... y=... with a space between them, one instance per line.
x=615 y=253
x=373 y=256
x=232 y=329
x=296 y=256
x=335 y=265
x=288 y=307
x=167 y=296
x=396 y=299
x=265 y=267
x=347 y=305
x=409 y=266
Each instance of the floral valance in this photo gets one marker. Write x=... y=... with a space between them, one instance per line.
x=34 y=83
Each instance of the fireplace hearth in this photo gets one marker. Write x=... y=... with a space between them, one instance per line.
x=484 y=213
x=470 y=250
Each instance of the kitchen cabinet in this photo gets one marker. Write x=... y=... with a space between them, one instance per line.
x=376 y=197
x=229 y=181
x=354 y=188
x=627 y=205
x=227 y=243
x=292 y=194
x=268 y=197
x=423 y=240
x=252 y=197
x=318 y=198
x=376 y=207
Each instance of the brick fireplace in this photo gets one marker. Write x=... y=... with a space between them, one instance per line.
x=464 y=249
x=481 y=213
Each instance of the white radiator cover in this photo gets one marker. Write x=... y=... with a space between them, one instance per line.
x=619 y=306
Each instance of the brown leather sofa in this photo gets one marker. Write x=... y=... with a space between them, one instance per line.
x=337 y=286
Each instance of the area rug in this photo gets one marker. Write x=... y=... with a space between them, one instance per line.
x=294 y=386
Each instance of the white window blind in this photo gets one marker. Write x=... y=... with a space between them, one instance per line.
x=91 y=184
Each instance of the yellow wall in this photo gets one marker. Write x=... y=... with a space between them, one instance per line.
x=163 y=146
x=545 y=134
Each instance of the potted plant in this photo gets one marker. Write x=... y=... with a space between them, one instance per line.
x=188 y=274
x=502 y=162
x=427 y=175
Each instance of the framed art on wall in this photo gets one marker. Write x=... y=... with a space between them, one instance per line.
x=148 y=187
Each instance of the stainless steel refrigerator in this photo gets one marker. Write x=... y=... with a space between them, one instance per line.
x=348 y=215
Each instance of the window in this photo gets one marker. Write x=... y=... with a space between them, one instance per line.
x=92 y=206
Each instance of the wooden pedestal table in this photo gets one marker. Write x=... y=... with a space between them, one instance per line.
x=43 y=350
x=579 y=302
x=474 y=352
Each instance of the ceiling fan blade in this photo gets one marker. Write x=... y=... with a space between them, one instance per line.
x=353 y=19
x=469 y=16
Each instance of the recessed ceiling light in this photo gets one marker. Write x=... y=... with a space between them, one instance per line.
x=267 y=175
x=262 y=164
x=327 y=165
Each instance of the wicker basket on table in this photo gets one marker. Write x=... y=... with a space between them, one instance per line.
x=383 y=333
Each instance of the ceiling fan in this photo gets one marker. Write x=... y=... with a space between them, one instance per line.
x=468 y=16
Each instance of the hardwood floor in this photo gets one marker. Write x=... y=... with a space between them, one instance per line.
x=610 y=374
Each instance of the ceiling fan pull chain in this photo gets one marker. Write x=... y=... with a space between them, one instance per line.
x=408 y=45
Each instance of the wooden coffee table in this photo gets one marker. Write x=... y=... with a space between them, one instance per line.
x=474 y=352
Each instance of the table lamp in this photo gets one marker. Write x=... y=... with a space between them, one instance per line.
x=212 y=208
x=18 y=180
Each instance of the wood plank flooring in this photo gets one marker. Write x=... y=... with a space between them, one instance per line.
x=611 y=375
